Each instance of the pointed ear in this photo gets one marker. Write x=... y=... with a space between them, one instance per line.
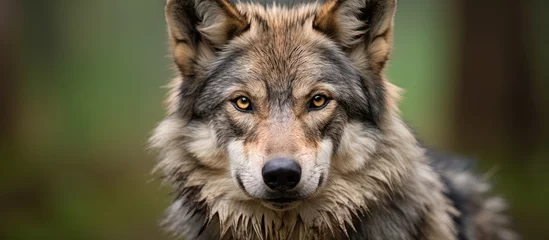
x=198 y=28
x=363 y=27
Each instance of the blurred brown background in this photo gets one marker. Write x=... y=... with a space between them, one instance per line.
x=80 y=92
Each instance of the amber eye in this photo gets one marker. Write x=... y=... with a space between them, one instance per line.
x=242 y=104
x=318 y=102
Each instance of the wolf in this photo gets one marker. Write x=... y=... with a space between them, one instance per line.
x=282 y=124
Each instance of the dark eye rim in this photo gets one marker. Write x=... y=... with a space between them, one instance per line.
x=312 y=107
x=249 y=109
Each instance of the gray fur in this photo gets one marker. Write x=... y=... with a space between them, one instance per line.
x=364 y=174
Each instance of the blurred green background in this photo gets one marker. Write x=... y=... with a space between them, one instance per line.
x=80 y=92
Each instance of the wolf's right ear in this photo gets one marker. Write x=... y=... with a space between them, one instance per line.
x=198 y=28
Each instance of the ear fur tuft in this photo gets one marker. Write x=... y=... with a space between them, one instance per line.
x=363 y=27
x=198 y=28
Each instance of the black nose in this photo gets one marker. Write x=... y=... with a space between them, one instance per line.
x=281 y=174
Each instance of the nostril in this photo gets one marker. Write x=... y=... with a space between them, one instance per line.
x=269 y=178
x=281 y=174
x=294 y=178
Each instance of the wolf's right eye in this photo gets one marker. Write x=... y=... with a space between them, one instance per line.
x=242 y=104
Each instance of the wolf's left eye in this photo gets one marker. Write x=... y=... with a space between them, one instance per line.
x=318 y=102
x=242 y=104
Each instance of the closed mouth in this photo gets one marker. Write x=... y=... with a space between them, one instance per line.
x=282 y=203
x=282 y=200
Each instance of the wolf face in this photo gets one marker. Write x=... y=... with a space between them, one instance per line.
x=280 y=123
x=271 y=97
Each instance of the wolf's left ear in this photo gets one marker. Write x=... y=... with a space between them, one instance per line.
x=363 y=27
x=199 y=28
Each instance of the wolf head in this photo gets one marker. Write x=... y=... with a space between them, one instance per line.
x=276 y=109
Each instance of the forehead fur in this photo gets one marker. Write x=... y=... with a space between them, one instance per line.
x=279 y=16
x=280 y=27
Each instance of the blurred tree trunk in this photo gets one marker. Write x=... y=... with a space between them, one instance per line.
x=8 y=66
x=495 y=96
